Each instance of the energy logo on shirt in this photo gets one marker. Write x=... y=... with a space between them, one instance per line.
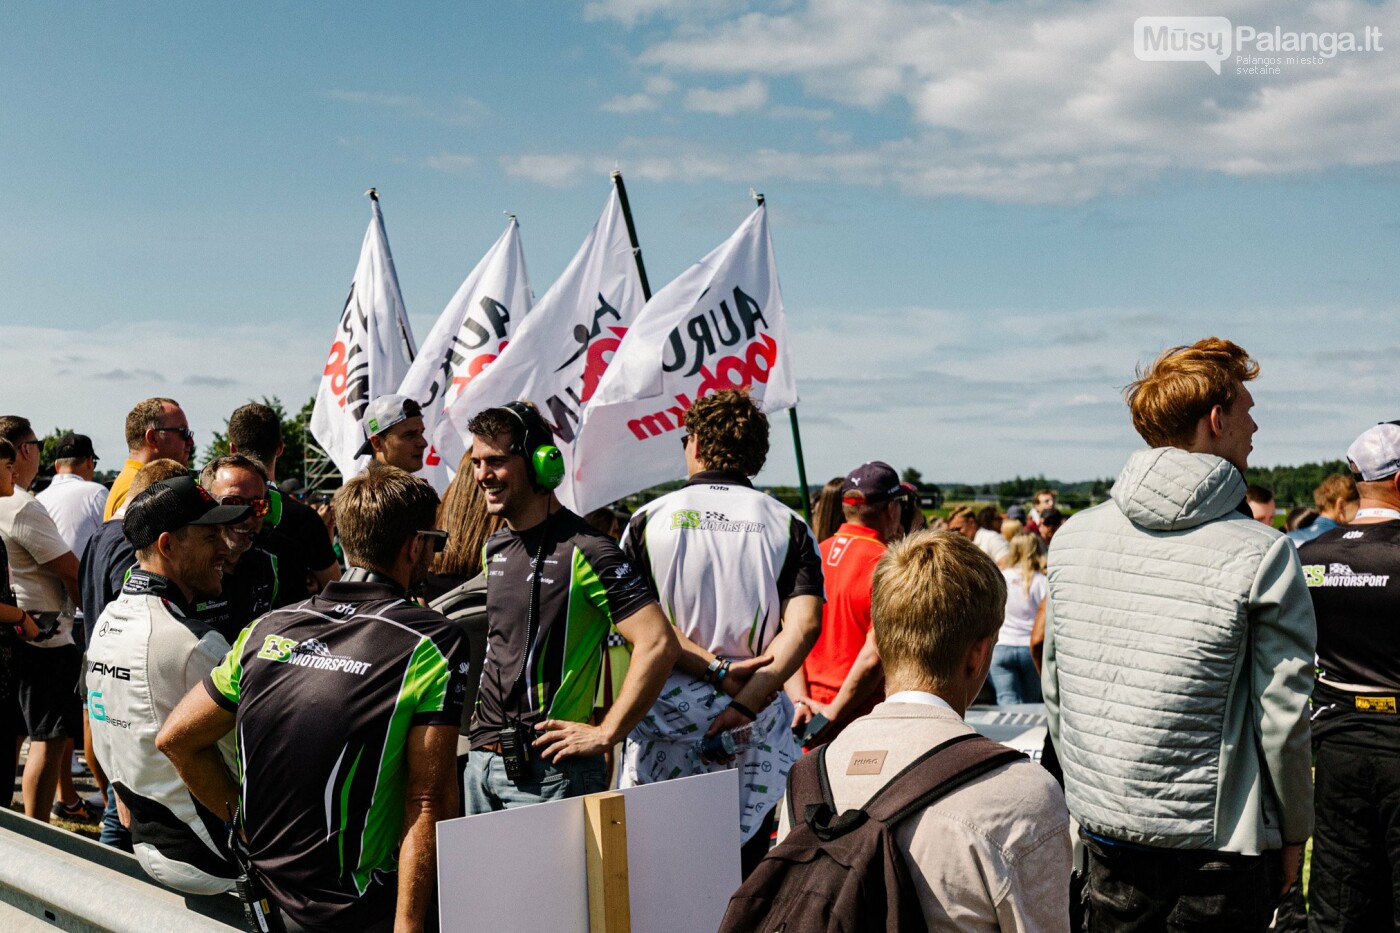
x=312 y=653
x=1341 y=575
x=695 y=520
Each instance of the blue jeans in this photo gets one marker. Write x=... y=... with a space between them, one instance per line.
x=1013 y=676
x=114 y=834
x=485 y=787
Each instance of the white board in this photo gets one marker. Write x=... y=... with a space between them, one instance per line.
x=525 y=869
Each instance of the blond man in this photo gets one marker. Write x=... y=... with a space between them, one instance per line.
x=1178 y=665
x=995 y=853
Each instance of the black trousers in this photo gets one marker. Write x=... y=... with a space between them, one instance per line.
x=1131 y=889
x=1355 y=883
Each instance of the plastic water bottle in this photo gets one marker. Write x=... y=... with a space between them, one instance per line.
x=726 y=744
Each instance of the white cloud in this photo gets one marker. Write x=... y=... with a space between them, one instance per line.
x=726 y=102
x=659 y=85
x=632 y=12
x=1029 y=102
x=787 y=112
x=209 y=376
x=631 y=103
x=554 y=171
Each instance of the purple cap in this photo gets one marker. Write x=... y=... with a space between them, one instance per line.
x=871 y=483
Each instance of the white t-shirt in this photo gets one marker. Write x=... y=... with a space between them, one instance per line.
x=75 y=505
x=32 y=539
x=991 y=542
x=1021 y=607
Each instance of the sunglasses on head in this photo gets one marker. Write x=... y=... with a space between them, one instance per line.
x=259 y=506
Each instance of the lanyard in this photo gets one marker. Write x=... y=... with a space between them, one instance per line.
x=1377 y=513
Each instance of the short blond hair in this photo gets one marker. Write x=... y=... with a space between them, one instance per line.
x=934 y=594
x=1183 y=385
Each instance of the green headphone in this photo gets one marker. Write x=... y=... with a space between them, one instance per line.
x=274 y=505
x=545 y=462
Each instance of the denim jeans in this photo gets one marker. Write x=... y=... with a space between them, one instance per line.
x=485 y=787
x=114 y=834
x=1137 y=889
x=1013 y=675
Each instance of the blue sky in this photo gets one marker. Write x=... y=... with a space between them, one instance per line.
x=985 y=214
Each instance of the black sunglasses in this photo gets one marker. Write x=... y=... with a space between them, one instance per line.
x=439 y=539
x=185 y=433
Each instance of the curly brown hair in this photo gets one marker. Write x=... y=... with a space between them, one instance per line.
x=730 y=432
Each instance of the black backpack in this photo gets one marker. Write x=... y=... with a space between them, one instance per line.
x=845 y=873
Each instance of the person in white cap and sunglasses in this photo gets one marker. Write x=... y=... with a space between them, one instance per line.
x=1353 y=576
x=394 y=433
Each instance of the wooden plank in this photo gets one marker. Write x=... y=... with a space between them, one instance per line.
x=605 y=842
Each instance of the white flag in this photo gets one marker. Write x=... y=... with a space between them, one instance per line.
x=720 y=325
x=470 y=333
x=558 y=356
x=371 y=352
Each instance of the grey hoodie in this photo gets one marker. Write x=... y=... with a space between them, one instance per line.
x=1179 y=653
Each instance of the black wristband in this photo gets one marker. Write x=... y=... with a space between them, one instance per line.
x=743 y=710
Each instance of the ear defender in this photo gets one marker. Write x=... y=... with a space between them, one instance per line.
x=545 y=461
x=548 y=464
x=274 y=506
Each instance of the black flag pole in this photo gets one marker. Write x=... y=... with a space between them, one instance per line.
x=631 y=232
x=796 y=431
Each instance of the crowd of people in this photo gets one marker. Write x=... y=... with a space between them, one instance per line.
x=296 y=695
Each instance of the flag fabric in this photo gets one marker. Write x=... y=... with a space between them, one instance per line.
x=559 y=354
x=720 y=325
x=471 y=331
x=370 y=353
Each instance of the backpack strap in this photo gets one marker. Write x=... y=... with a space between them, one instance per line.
x=808 y=785
x=939 y=771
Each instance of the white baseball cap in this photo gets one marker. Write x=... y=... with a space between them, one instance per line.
x=1375 y=455
x=385 y=412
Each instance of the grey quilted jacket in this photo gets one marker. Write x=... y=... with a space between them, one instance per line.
x=1179 y=656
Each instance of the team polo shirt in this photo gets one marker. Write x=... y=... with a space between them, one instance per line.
x=248 y=592
x=325 y=693
x=546 y=664
x=722 y=557
x=848 y=564
x=1353 y=576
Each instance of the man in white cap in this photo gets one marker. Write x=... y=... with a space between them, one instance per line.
x=1353 y=576
x=394 y=433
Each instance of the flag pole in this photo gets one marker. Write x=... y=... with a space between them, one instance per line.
x=631 y=232
x=796 y=431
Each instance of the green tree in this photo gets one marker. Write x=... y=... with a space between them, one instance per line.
x=913 y=477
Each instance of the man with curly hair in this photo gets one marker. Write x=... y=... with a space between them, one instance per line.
x=739 y=576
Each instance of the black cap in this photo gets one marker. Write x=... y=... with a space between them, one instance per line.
x=75 y=447
x=170 y=506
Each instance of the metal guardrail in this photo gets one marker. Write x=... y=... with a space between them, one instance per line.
x=70 y=882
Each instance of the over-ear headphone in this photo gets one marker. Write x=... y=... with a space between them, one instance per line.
x=274 y=506
x=544 y=461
